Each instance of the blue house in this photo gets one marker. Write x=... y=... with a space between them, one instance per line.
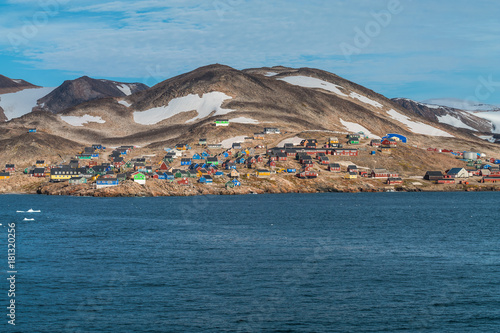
x=240 y=160
x=197 y=157
x=186 y=161
x=169 y=176
x=225 y=154
x=291 y=170
x=106 y=182
x=205 y=154
x=206 y=179
x=401 y=138
x=97 y=146
x=32 y=130
x=162 y=176
x=219 y=173
x=95 y=155
x=236 y=182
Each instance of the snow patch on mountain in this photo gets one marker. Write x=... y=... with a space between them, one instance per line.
x=204 y=105
x=228 y=143
x=124 y=89
x=355 y=127
x=311 y=82
x=269 y=74
x=450 y=120
x=22 y=102
x=80 y=121
x=417 y=127
x=243 y=120
x=493 y=117
x=125 y=103
x=295 y=140
x=365 y=99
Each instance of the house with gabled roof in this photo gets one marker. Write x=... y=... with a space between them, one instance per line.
x=457 y=173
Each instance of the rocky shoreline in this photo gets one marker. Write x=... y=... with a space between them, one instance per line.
x=272 y=185
x=156 y=189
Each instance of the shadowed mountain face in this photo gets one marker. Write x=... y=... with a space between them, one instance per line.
x=8 y=85
x=445 y=115
x=84 y=89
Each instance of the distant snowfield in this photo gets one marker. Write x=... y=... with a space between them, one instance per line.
x=354 y=127
x=80 y=121
x=489 y=138
x=228 y=143
x=20 y=103
x=125 y=103
x=311 y=82
x=295 y=140
x=365 y=99
x=243 y=120
x=417 y=127
x=205 y=105
x=270 y=74
x=450 y=120
x=461 y=104
x=124 y=89
x=493 y=116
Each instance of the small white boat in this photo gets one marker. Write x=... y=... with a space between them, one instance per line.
x=26 y=219
x=32 y=211
x=20 y=211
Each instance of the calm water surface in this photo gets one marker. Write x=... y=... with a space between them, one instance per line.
x=391 y=262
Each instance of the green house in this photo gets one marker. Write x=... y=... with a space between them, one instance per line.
x=139 y=177
x=354 y=141
x=77 y=181
x=84 y=157
x=222 y=122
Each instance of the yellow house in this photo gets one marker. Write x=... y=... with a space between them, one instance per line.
x=4 y=175
x=351 y=175
x=334 y=140
x=61 y=174
x=40 y=164
x=263 y=173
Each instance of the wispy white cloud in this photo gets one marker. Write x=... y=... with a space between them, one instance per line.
x=426 y=41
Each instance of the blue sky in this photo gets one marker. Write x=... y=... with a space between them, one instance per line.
x=417 y=49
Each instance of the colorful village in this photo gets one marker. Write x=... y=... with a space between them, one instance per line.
x=327 y=164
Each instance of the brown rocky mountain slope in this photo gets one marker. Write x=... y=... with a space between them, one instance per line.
x=84 y=89
x=183 y=109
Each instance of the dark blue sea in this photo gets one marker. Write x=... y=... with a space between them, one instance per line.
x=383 y=262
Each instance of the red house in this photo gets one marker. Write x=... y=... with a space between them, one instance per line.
x=446 y=181
x=10 y=168
x=334 y=167
x=184 y=181
x=39 y=172
x=394 y=181
x=379 y=173
x=389 y=143
x=308 y=174
x=164 y=166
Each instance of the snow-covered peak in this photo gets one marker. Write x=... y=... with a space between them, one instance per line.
x=461 y=104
